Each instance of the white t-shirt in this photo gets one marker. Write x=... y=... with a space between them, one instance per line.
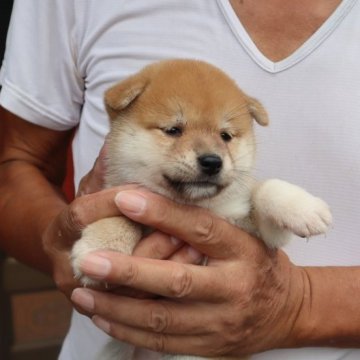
x=62 y=54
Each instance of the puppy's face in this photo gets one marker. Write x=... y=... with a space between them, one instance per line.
x=181 y=128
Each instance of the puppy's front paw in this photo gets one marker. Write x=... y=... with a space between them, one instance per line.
x=310 y=216
x=116 y=233
x=289 y=207
x=80 y=250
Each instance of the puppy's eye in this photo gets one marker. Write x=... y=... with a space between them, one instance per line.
x=226 y=136
x=174 y=131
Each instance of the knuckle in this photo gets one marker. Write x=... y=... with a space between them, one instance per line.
x=230 y=327
x=157 y=342
x=156 y=251
x=76 y=216
x=217 y=351
x=130 y=273
x=238 y=293
x=234 y=330
x=159 y=214
x=181 y=282
x=219 y=346
x=224 y=344
x=205 y=228
x=221 y=350
x=159 y=318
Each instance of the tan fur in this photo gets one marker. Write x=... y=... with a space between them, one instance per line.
x=204 y=103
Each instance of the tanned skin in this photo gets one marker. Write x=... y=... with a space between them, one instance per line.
x=310 y=306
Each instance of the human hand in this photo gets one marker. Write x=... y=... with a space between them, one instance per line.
x=65 y=229
x=92 y=204
x=67 y=226
x=246 y=300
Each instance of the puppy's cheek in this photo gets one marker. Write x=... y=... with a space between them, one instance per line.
x=244 y=151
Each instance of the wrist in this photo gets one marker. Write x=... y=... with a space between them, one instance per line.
x=297 y=326
x=293 y=314
x=328 y=314
x=287 y=317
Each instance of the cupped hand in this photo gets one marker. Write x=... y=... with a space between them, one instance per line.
x=66 y=228
x=92 y=204
x=247 y=299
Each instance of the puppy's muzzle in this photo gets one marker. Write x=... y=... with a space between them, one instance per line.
x=210 y=164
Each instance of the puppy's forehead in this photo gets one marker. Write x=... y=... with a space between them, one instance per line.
x=194 y=90
x=194 y=80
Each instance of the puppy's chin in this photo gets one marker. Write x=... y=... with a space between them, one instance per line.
x=194 y=190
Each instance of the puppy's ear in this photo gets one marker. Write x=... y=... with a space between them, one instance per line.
x=257 y=111
x=121 y=95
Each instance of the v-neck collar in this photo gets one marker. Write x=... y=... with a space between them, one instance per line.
x=298 y=55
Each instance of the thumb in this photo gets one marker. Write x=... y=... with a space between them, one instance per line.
x=200 y=228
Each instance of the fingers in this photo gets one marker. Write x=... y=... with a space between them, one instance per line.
x=159 y=342
x=165 y=278
x=156 y=325
x=158 y=316
x=157 y=246
x=206 y=232
x=86 y=210
x=188 y=255
x=161 y=246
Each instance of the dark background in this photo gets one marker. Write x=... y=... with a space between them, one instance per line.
x=5 y=11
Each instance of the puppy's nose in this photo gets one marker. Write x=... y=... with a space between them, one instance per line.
x=210 y=164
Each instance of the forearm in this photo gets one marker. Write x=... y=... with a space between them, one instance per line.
x=27 y=204
x=330 y=312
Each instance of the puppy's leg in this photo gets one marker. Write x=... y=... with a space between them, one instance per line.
x=115 y=233
x=281 y=208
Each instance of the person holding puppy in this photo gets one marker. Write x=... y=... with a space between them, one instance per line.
x=300 y=61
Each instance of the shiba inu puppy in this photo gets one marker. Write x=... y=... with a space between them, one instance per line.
x=184 y=129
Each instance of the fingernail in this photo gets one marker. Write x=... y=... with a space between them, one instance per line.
x=130 y=201
x=101 y=323
x=95 y=266
x=175 y=241
x=83 y=298
x=195 y=255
